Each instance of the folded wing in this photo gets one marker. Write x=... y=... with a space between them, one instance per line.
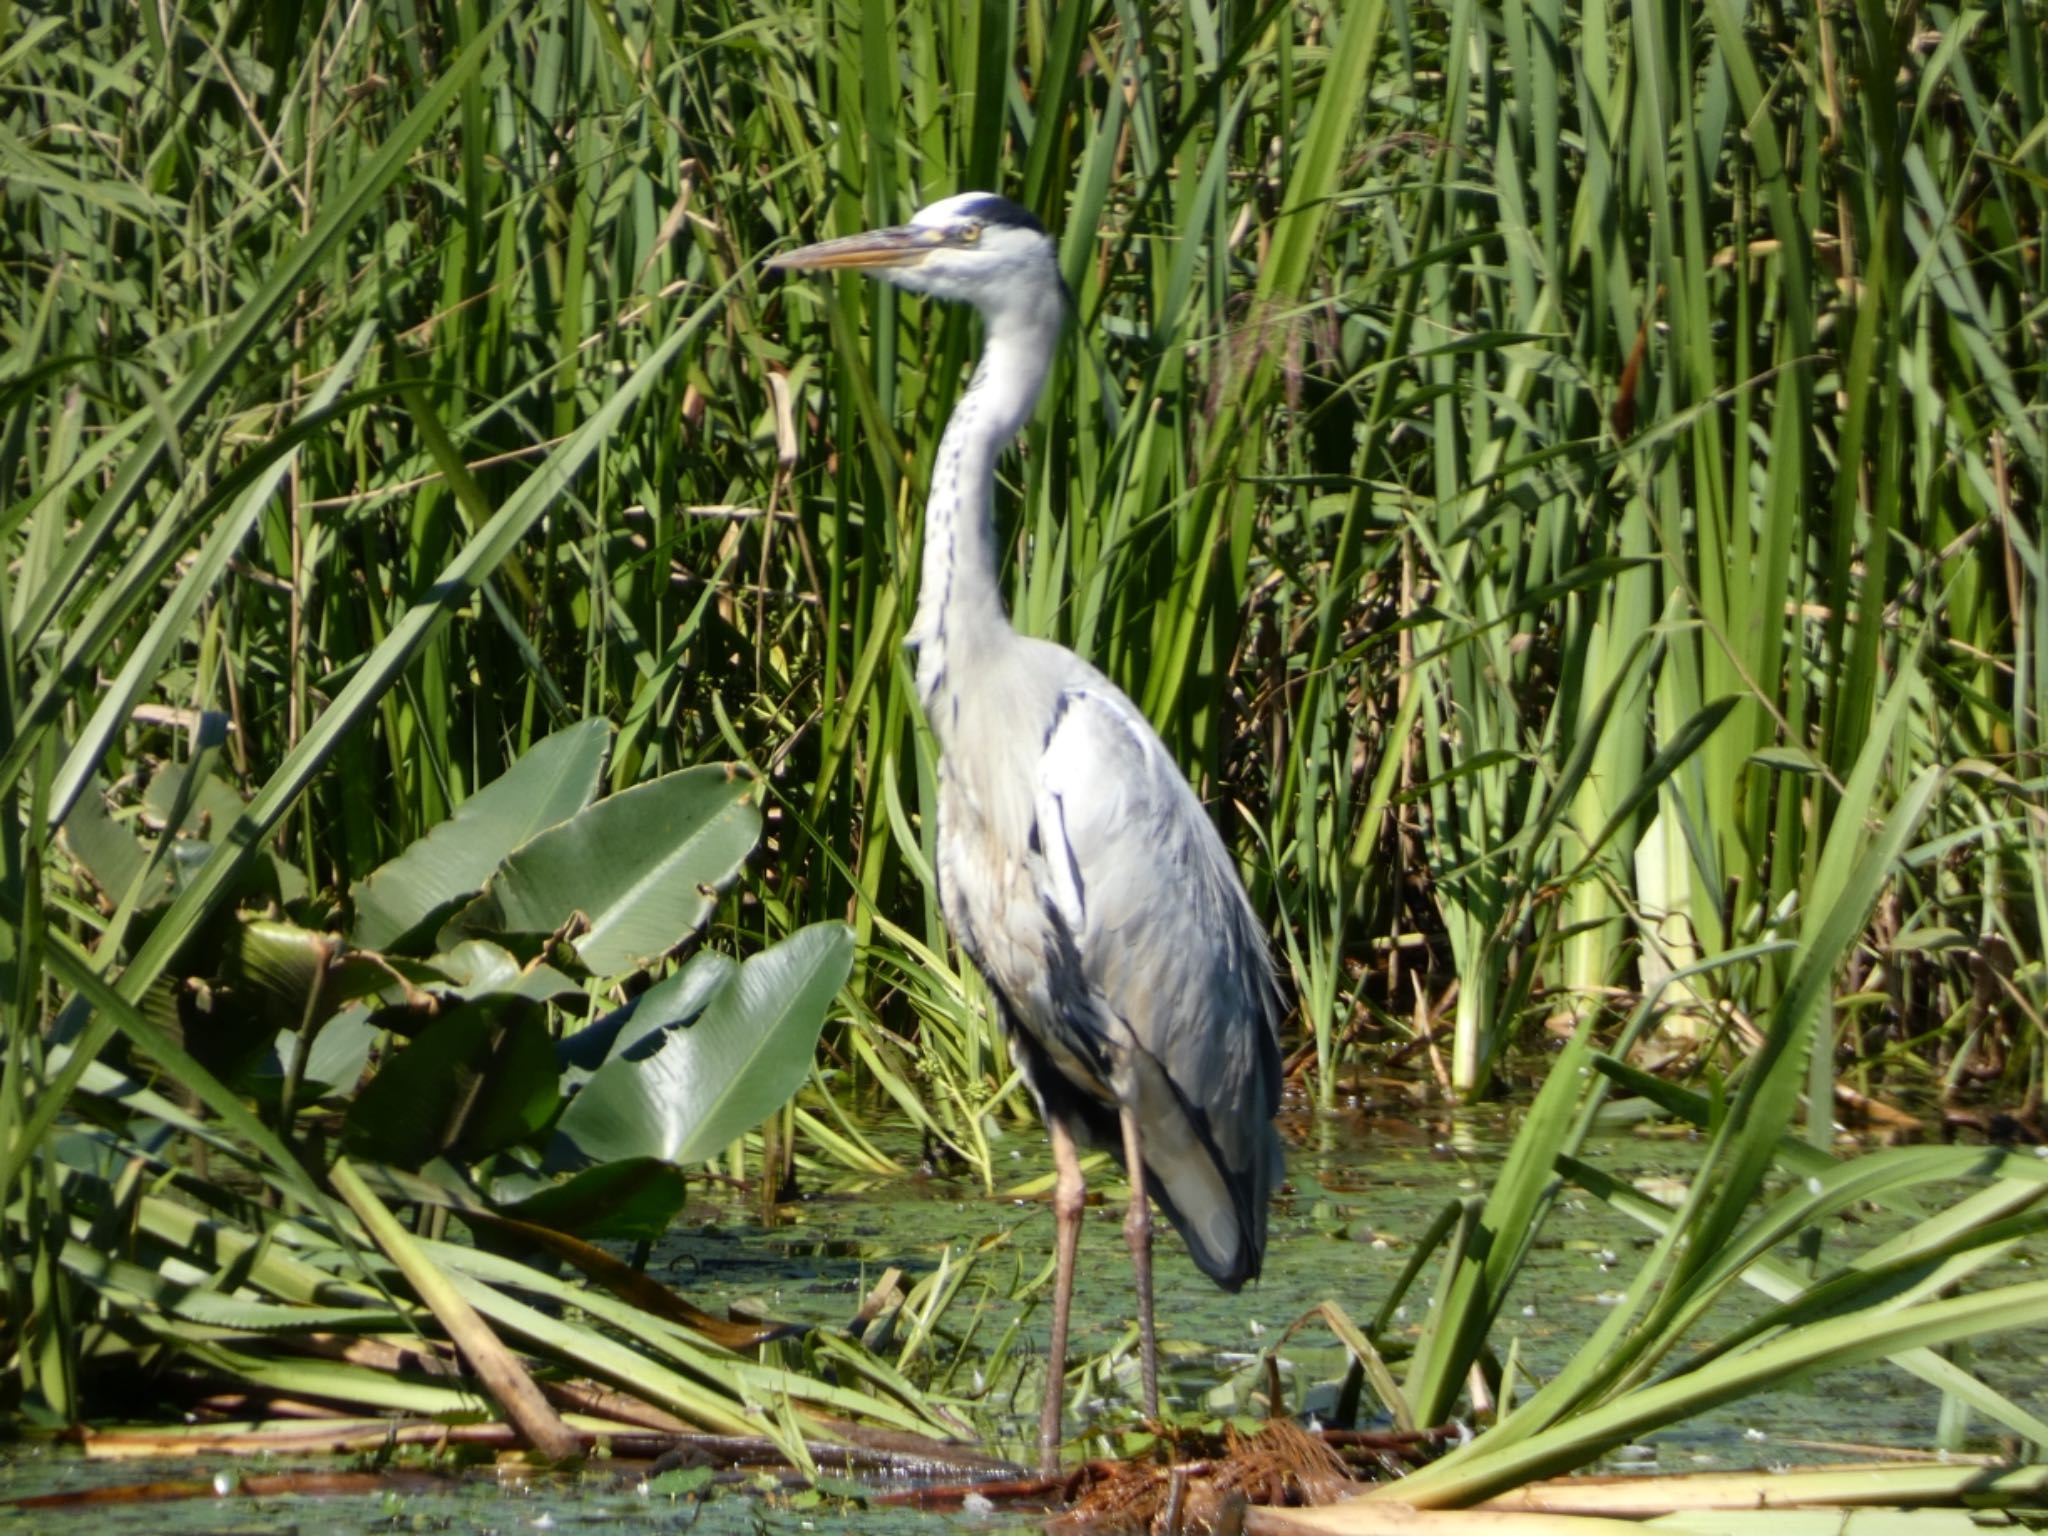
x=1176 y=968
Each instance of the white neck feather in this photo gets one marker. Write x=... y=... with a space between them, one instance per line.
x=959 y=605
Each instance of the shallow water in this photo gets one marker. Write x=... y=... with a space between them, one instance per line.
x=1359 y=1193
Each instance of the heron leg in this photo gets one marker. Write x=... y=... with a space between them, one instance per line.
x=1068 y=1193
x=1138 y=1234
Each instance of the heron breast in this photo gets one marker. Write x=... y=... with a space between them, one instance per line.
x=992 y=879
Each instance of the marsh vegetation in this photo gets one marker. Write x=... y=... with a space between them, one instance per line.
x=1563 y=481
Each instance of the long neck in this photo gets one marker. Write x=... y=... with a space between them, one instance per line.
x=959 y=605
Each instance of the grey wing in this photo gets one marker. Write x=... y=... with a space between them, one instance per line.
x=1178 y=969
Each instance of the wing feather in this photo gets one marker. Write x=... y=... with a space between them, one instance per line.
x=1176 y=966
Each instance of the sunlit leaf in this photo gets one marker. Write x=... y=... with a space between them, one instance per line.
x=477 y=966
x=710 y=1081
x=635 y=874
x=677 y=999
x=551 y=783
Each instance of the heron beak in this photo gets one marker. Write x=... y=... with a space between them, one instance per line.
x=904 y=246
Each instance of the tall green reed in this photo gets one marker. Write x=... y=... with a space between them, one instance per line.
x=1506 y=454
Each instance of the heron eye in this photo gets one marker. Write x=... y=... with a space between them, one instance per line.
x=970 y=232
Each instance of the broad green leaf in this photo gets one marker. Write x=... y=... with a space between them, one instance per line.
x=296 y=977
x=639 y=871
x=631 y=1198
x=224 y=1032
x=339 y=1056
x=676 y=999
x=708 y=1083
x=478 y=1078
x=477 y=966
x=551 y=783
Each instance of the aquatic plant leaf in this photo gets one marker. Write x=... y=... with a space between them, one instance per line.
x=271 y=978
x=1863 y=1335
x=200 y=805
x=640 y=870
x=335 y=1063
x=280 y=967
x=676 y=1000
x=111 y=854
x=477 y=966
x=479 y=1078
x=501 y=1372
x=378 y=671
x=551 y=783
x=632 y=1197
x=124 y=1284
x=626 y=1349
x=225 y=1032
x=707 y=1084
x=194 y=808
x=298 y=978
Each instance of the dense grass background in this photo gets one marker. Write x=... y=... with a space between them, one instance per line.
x=1540 y=468
x=1564 y=481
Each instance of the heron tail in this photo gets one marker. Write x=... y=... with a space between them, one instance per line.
x=1214 y=1183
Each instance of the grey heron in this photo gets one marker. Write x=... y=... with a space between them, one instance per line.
x=1076 y=867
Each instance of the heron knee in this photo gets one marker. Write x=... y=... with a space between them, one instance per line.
x=1069 y=1194
x=1138 y=1220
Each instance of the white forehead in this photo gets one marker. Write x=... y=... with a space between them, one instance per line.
x=949 y=210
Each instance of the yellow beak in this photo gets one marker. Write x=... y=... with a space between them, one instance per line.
x=904 y=246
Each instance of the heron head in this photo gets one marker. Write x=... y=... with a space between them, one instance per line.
x=976 y=248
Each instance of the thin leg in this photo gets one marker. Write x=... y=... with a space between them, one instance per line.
x=1138 y=1234
x=1068 y=1193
